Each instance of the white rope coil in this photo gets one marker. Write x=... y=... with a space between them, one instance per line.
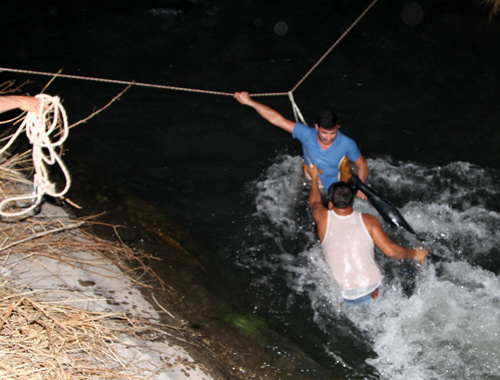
x=50 y=122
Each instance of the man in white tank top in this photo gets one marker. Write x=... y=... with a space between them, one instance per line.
x=348 y=238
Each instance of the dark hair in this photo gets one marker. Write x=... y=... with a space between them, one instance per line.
x=341 y=195
x=328 y=120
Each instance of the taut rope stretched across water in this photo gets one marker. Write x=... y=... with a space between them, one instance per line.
x=208 y=92
x=39 y=135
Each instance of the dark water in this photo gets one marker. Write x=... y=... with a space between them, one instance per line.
x=416 y=84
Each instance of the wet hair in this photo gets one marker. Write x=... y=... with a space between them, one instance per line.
x=328 y=120
x=341 y=195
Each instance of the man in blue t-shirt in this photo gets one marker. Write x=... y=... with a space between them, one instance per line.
x=324 y=145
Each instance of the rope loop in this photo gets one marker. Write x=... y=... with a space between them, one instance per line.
x=296 y=111
x=46 y=130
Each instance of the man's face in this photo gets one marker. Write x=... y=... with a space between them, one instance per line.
x=326 y=136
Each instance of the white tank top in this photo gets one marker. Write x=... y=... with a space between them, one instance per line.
x=349 y=252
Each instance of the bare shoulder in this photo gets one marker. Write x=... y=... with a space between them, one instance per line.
x=319 y=212
x=370 y=221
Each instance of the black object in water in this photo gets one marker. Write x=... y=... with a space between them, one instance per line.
x=388 y=212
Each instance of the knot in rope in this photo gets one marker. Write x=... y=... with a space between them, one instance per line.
x=46 y=130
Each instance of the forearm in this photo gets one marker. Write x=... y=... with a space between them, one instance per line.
x=266 y=112
x=363 y=173
x=387 y=246
x=8 y=102
x=362 y=168
x=26 y=103
x=402 y=253
x=314 y=195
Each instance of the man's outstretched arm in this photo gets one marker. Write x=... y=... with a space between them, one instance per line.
x=26 y=103
x=266 y=112
x=387 y=246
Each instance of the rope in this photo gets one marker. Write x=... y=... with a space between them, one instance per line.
x=133 y=83
x=186 y=89
x=296 y=110
x=51 y=116
x=94 y=79
x=334 y=45
x=39 y=128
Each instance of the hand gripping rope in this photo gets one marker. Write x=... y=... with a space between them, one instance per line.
x=50 y=122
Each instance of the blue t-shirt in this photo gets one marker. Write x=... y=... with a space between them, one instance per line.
x=326 y=160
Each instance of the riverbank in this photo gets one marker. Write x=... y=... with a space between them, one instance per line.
x=78 y=302
x=77 y=306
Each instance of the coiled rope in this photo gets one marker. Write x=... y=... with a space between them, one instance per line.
x=41 y=127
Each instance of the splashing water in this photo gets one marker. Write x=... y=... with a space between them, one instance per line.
x=447 y=329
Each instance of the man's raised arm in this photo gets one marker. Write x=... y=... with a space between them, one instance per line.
x=319 y=212
x=266 y=112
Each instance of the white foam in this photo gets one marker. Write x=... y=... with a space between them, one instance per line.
x=449 y=328
x=278 y=192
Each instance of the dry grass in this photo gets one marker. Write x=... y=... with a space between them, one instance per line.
x=45 y=238
x=42 y=339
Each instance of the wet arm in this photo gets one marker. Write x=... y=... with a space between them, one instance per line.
x=319 y=212
x=362 y=171
x=266 y=112
x=362 y=168
x=387 y=246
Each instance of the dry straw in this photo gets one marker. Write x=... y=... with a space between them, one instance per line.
x=51 y=340
x=42 y=339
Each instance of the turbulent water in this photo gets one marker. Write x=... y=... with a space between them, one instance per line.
x=446 y=329
x=416 y=85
